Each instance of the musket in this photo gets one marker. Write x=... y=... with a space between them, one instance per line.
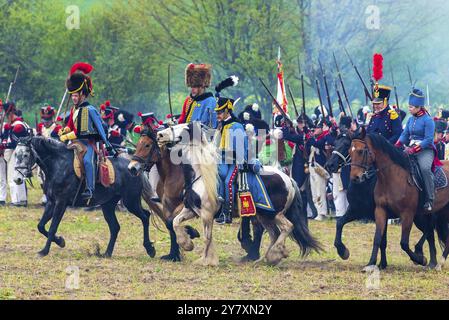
x=410 y=76
x=282 y=112
x=340 y=102
x=303 y=96
x=342 y=86
x=319 y=96
x=395 y=89
x=293 y=100
x=62 y=102
x=169 y=92
x=12 y=84
x=367 y=92
x=329 y=103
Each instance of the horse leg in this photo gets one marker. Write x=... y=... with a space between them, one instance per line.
x=58 y=213
x=273 y=233
x=135 y=208
x=182 y=237
x=48 y=213
x=342 y=251
x=383 y=249
x=113 y=224
x=209 y=257
x=407 y=222
x=381 y=221
x=244 y=235
x=258 y=229
x=174 y=254
x=278 y=251
x=443 y=258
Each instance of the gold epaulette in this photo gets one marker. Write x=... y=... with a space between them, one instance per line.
x=393 y=114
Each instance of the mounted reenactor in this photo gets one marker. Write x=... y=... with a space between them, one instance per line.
x=13 y=130
x=148 y=120
x=200 y=104
x=118 y=123
x=85 y=124
x=385 y=120
x=237 y=163
x=256 y=128
x=417 y=138
x=48 y=128
x=440 y=146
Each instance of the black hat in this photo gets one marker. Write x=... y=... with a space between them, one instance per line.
x=47 y=112
x=78 y=80
x=345 y=122
x=440 y=126
x=9 y=107
x=250 y=112
x=224 y=103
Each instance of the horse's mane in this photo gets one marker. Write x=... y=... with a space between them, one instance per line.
x=40 y=142
x=395 y=154
x=205 y=155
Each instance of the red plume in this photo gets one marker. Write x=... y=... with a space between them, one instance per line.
x=108 y=103
x=378 y=66
x=48 y=108
x=139 y=114
x=81 y=66
x=161 y=122
x=102 y=107
x=59 y=118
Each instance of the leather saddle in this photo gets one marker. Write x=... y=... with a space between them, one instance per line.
x=440 y=178
x=106 y=171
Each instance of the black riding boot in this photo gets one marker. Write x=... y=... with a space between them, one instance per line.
x=225 y=216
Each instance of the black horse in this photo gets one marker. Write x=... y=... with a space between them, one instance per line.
x=362 y=206
x=62 y=187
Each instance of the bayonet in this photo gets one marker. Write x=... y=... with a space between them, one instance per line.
x=12 y=84
x=367 y=92
x=319 y=96
x=329 y=103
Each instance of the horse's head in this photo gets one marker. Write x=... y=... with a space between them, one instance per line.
x=340 y=156
x=24 y=160
x=173 y=134
x=362 y=158
x=147 y=153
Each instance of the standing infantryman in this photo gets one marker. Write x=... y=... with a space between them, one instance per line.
x=199 y=105
x=418 y=140
x=440 y=146
x=85 y=122
x=385 y=120
x=13 y=130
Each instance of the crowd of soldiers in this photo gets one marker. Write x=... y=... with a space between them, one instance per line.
x=303 y=145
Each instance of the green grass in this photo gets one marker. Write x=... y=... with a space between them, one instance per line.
x=131 y=274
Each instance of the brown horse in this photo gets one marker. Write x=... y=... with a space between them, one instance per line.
x=396 y=193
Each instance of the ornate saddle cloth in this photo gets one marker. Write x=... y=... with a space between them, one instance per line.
x=440 y=177
x=253 y=194
x=106 y=172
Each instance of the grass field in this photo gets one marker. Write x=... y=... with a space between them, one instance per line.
x=131 y=274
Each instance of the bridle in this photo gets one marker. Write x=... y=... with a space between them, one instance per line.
x=147 y=163
x=370 y=170
x=346 y=159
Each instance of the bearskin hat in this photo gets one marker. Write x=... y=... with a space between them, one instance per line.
x=198 y=75
x=345 y=122
x=78 y=80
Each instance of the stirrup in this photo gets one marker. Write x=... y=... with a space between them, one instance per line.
x=428 y=206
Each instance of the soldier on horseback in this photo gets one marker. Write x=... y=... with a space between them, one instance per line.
x=385 y=120
x=85 y=124
x=118 y=123
x=199 y=105
x=417 y=138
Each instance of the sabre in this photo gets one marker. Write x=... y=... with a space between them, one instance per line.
x=367 y=93
x=287 y=119
x=169 y=92
x=342 y=85
x=293 y=100
x=428 y=96
x=62 y=102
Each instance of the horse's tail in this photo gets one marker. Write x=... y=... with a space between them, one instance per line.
x=442 y=227
x=301 y=233
x=146 y=194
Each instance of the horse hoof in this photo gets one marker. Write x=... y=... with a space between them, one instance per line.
x=106 y=255
x=171 y=258
x=42 y=254
x=432 y=266
x=370 y=269
x=192 y=232
x=382 y=266
x=61 y=242
x=345 y=254
x=151 y=251
x=439 y=267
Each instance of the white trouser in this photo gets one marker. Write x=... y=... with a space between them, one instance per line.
x=3 y=179
x=153 y=178
x=318 y=185
x=339 y=195
x=18 y=193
